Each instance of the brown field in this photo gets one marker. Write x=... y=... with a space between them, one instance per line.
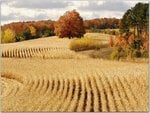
x=44 y=75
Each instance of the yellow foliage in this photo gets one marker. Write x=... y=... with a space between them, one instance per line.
x=8 y=36
x=32 y=30
x=86 y=44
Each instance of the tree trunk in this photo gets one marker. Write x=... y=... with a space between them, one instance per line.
x=138 y=32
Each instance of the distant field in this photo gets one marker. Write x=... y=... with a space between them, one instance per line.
x=45 y=75
x=51 y=48
x=99 y=36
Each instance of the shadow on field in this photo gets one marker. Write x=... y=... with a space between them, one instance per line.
x=100 y=53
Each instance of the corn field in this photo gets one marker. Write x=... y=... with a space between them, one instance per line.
x=44 y=75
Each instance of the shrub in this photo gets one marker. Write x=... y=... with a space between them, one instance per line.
x=145 y=54
x=19 y=38
x=48 y=32
x=114 y=54
x=137 y=53
x=118 y=53
x=86 y=44
x=113 y=32
x=94 y=30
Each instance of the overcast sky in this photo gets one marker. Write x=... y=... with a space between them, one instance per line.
x=26 y=10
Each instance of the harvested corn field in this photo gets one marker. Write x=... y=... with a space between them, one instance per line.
x=64 y=83
x=53 y=48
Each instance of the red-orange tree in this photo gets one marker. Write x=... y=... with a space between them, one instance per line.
x=70 y=25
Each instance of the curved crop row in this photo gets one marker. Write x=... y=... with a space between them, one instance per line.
x=69 y=85
x=45 y=53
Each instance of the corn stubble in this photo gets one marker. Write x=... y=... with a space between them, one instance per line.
x=37 y=77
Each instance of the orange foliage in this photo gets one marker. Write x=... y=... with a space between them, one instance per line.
x=117 y=40
x=124 y=42
x=120 y=41
x=111 y=41
x=131 y=38
x=102 y=23
x=20 y=27
x=145 y=37
x=70 y=25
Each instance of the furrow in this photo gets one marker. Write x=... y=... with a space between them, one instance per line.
x=20 y=53
x=58 y=106
x=89 y=96
x=122 y=105
x=131 y=95
x=58 y=94
x=41 y=85
x=115 y=107
x=17 y=53
x=71 y=87
x=51 y=95
x=97 y=96
x=74 y=102
x=104 y=96
x=36 y=83
x=108 y=93
x=83 y=97
x=92 y=95
x=45 y=85
x=123 y=94
x=116 y=92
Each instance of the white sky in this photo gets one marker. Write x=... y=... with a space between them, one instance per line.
x=26 y=10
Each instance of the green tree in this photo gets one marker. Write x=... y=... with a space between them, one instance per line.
x=133 y=25
x=136 y=18
x=45 y=31
x=140 y=15
x=27 y=34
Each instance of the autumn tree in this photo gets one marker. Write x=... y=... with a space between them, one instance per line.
x=8 y=36
x=70 y=25
x=111 y=41
x=33 y=31
x=134 y=31
x=30 y=29
x=102 y=23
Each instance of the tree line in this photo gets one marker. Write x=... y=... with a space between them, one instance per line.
x=71 y=24
x=102 y=23
x=19 y=31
